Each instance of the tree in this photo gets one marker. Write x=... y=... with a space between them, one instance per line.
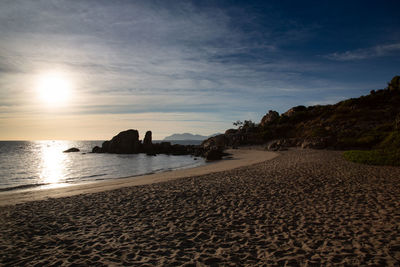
x=247 y=124
x=238 y=123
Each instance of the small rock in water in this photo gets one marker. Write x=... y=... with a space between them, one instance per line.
x=72 y=149
x=97 y=149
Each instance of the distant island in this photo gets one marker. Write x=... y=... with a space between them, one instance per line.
x=188 y=136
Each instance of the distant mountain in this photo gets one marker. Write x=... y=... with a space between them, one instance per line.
x=187 y=136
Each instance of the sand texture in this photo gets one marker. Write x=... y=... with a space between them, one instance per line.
x=236 y=158
x=304 y=207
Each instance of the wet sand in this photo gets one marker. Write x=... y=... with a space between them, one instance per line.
x=304 y=207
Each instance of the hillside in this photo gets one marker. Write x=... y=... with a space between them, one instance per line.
x=367 y=122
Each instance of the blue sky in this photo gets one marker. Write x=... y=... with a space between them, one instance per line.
x=186 y=66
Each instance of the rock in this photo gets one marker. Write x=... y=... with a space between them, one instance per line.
x=274 y=145
x=233 y=138
x=97 y=149
x=270 y=117
x=231 y=131
x=162 y=148
x=282 y=144
x=148 y=144
x=147 y=139
x=216 y=142
x=394 y=84
x=214 y=154
x=72 y=149
x=126 y=142
x=293 y=110
x=105 y=146
x=178 y=150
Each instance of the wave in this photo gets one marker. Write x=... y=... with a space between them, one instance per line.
x=91 y=176
x=19 y=187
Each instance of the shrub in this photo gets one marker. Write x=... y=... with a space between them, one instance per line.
x=392 y=141
x=374 y=157
x=319 y=132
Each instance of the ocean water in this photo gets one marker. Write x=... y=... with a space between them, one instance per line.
x=27 y=165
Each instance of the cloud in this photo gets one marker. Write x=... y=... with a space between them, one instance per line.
x=127 y=58
x=365 y=53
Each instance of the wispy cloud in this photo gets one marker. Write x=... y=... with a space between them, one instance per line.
x=365 y=53
x=128 y=58
x=137 y=52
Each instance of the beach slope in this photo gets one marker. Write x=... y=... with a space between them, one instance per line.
x=304 y=207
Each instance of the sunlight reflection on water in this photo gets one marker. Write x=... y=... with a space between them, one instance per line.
x=52 y=168
x=26 y=165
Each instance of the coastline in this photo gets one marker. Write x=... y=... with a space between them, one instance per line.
x=237 y=158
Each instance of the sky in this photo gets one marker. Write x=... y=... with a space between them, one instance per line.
x=183 y=66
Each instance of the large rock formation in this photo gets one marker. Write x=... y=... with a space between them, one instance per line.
x=394 y=84
x=291 y=112
x=147 y=141
x=217 y=142
x=126 y=142
x=214 y=154
x=148 y=144
x=357 y=123
x=270 y=117
x=234 y=138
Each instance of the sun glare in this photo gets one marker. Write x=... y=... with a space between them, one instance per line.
x=53 y=88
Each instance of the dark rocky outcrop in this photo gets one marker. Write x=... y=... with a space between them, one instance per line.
x=270 y=117
x=362 y=123
x=217 y=142
x=147 y=141
x=72 y=149
x=214 y=154
x=127 y=142
x=97 y=149
x=357 y=123
x=231 y=131
x=394 y=84
x=245 y=135
x=294 y=110
x=148 y=144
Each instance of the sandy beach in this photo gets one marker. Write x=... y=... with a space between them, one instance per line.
x=300 y=208
x=236 y=158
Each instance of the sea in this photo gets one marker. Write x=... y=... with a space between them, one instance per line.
x=31 y=165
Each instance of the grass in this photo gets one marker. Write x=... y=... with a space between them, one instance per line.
x=374 y=157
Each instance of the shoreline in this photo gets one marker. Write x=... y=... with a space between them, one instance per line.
x=238 y=158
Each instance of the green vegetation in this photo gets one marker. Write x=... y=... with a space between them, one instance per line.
x=374 y=157
x=385 y=153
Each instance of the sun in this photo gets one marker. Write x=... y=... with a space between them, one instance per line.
x=53 y=88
